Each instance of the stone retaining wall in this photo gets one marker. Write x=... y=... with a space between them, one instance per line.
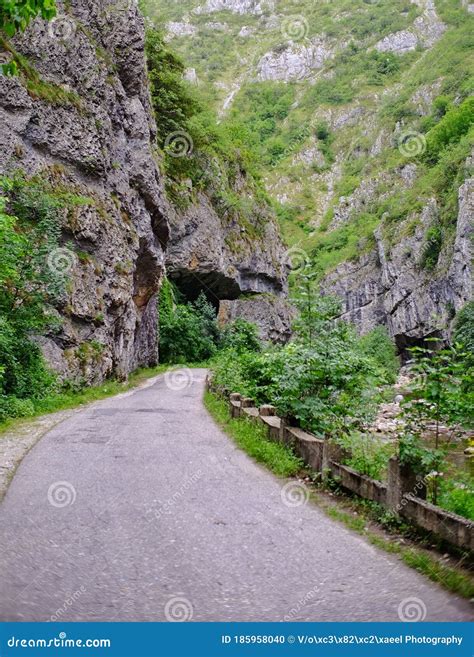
x=323 y=456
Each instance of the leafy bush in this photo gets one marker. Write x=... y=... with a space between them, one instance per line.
x=241 y=336
x=16 y=15
x=464 y=327
x=12 y=407
x=368 y=454
x=456 y=494
x=28 y=288
x=455 y=123
x=188 y=331
x=323 y=380
x=378 y=345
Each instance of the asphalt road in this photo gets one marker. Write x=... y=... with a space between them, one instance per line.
x=140 y=509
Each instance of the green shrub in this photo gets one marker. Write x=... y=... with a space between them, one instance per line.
x=464 y=327
x=188 y=331
x=451 y=128
x=456 y=494
x=322 y=380
x=378 y=345
x=241 y=336
x=28 y=289
x=12 y=407
x=368 y=454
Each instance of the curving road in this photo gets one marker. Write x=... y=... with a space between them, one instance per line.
x=140 y=509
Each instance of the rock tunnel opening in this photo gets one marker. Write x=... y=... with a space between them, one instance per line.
x=406 y=342
x=214 y=285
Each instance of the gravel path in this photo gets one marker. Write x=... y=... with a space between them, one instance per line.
x=140 y=509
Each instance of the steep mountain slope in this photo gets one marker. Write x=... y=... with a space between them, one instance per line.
x=78 y=150
x=359 y=114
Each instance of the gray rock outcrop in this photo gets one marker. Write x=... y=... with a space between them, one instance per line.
x=426 y=31
x=86 y=131
x=293 y=62
x=218 y=256
x=90 y=136
x=390 y=285
x=256 y=7
x=272 y=314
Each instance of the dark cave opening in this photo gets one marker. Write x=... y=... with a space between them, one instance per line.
x=215 y=286
x=406 y=342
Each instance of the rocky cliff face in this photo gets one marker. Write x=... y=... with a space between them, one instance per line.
x=390 y=286
x=342 y=98
x=78 y=118
x=87 y=128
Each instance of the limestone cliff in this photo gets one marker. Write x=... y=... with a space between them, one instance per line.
x=78 y=117
x=389 y=285
x=344 y=103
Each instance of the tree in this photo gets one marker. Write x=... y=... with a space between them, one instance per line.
x=16 y=15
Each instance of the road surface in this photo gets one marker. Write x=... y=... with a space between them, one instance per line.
x=140 y=509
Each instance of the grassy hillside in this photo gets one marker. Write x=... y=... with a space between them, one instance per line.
x=383 y=131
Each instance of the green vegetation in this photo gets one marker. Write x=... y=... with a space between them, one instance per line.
x=442 y=393
x=324 y=380
x=29 y=232
x=15 y=16
x=365 y=99
x=198 y=153
x=367 y=454
x=252 y=438
x=188 y=331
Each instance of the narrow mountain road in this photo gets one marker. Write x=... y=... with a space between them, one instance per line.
x=141 y=509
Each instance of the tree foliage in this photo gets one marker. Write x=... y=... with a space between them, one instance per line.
x=188 y=331
x=28 y=288
x=325 y=379
x=16 y=15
